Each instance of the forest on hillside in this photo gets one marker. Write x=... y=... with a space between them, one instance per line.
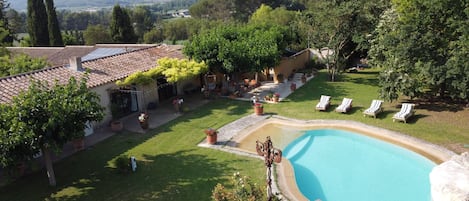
x=20 y=5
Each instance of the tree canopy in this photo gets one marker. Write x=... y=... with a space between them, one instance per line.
x=55 y=36
x=37 y=23
x=266 y=15
x=96 y=34
x=44 y=118
x=239 y=48
x=121 y=28
x=422 y=47
x=19 y=64
x=343 y=27
x=6 y=32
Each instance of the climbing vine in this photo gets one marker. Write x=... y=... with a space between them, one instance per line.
x=173 y=69
x=180 y=69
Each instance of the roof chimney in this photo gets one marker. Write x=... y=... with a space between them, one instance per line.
x=75 y=64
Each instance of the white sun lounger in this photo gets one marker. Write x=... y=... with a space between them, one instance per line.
x=407 y=110
x=374 y=109
x=344 y=106
x=324 y=102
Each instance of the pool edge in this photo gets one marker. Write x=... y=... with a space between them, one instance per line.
x=286 y=181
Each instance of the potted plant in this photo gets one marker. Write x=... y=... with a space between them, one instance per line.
x=177 y=103
x=211 y=135
x=293 y=86
x=269 y=96
x=258 y=108
x=275 y=97
x=143 y=120
x=79 y=143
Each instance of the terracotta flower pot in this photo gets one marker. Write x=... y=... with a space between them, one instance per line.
x=293 y=86
x=211 y=135
x=144 y=124
x=212 y=139
x=275 y=98
x=303 y=79
x=258 y=109
x=79 y=144
x=117 y=126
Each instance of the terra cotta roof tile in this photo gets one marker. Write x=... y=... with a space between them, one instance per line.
x=102 y=70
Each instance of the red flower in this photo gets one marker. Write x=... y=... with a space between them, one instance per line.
x=211 y=131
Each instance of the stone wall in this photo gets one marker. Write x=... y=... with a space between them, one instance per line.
x=450 y=180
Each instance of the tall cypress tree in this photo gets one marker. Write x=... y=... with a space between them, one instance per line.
x=37 y=23
x=121 y=28
x=6 y=34
x=55 y=35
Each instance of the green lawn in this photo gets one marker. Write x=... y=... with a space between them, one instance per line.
x=438 y=123
x=172 y=167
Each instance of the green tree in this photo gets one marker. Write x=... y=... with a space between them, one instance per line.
x=19 y=64
x=25 y=41
x=16 y=21
x=55 y=35
x=69 y=38
x=96 y=34
x=121 y=28
x=7 y=33
x=239 y=48
x=155 y=35
x=342 y=27
x=243 y=9
x=13 y=148
x=458 y=73
x=177 y=29
x=46 y=117
x=206 y=45
x=142 y=20
x=266 y=15
x=212 y=10
x=37 y=23
x=419 y=45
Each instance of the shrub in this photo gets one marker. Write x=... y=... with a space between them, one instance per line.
x=122 y=164
x=243 y=189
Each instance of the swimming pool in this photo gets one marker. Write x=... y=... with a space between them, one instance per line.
x=337 y=165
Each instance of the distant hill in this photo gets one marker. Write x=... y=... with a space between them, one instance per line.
x=20 y=5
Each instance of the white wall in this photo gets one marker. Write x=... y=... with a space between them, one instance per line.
x=103 y=92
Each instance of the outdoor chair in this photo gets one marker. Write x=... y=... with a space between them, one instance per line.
x=324 y=102
x=407 y=110
x=374 y=109
x=345 y=106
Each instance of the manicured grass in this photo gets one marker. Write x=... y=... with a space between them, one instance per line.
x=172 y=167
x=439 y=123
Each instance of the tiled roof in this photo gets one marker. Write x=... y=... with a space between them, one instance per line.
x=36 y=52
x=102 y=70
x=59 y=55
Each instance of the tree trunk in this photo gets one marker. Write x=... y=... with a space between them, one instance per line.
x=333 y=75
x=49 y=166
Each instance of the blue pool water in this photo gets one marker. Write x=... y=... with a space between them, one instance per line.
x=338 y=165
